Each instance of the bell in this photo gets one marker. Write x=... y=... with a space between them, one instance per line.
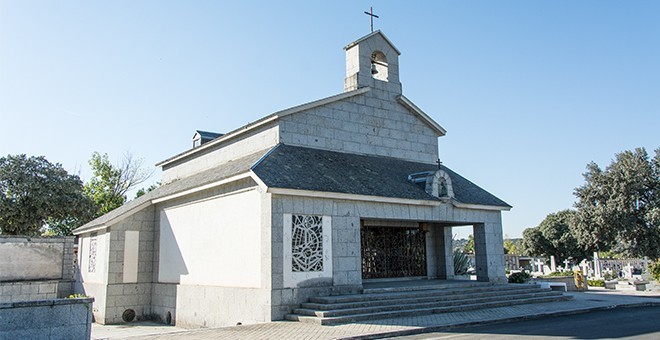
x=373 y=68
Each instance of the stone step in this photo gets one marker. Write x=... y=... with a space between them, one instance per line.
x=422 y=298
x=419 y=305
x=418 y=287
x=424 y=292
x=421 y=311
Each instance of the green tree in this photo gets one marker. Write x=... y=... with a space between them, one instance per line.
x=618 y=208
x=143 y=191
x=469 y=246
x=36 y=194
x=108 y=186
x=553 y=237
x=509 y=246
x=534 y=244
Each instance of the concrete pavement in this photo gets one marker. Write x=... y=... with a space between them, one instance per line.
x=594 y=299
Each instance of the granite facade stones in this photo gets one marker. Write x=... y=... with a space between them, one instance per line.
x=57 y=319
x=347 y=217
x=163 y=301
x=35 y=290
x=114 y=296
x=370 y=124
x=213 y=306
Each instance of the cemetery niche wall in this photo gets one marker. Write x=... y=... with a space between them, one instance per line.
x=305 y=201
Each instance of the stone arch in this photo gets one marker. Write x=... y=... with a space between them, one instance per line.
x=379 y=66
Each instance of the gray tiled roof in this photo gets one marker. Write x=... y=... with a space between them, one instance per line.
x=208 y=134
x=292 y=167
x=226 y=170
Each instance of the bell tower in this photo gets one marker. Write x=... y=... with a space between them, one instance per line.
x=372 y=61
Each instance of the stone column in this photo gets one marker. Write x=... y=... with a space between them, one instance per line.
x=448 y=253
x=432 y=266
x=489 y=252
x=439 y=255
x=444 y=256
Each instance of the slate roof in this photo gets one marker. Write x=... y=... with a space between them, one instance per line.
x=292 y=167
x=232 y=168
x=208 y=135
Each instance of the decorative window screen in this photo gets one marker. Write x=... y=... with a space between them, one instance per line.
x=92 y=254
x=306 y=243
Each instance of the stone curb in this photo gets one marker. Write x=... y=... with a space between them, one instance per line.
x=432 y=329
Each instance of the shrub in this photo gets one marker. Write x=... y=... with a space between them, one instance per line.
x=519 y=277
x=77 y=296
x=596 y=283
x=608 y=276
x=654 y=269
x=461 y=262
x=559 y=273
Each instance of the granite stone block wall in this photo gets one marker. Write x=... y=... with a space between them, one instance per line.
x=123 y=292
x=163 y=300
x=35 y=290
x=347 y=217
x=49 y=319
x=372 y=123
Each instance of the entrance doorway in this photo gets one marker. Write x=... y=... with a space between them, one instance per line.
x=393 y=252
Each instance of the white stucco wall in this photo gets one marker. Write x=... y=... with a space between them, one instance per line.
x=246 y=144
x=30 y=259
x=215 y=241
x=100 y=274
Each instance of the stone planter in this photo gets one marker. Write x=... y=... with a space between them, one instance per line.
x=568 y=280
x=611 y=284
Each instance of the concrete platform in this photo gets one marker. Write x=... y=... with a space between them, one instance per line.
x=583 y=302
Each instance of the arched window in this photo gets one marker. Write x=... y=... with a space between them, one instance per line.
x=379 y=66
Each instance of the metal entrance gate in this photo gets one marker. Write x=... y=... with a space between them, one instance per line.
x=389 y=252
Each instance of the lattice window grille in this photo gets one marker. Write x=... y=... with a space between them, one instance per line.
x=307 y=243
x=92 y=255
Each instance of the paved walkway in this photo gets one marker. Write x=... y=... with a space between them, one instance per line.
x=595 y=299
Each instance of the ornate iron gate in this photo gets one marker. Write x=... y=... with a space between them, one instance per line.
x=393 y=252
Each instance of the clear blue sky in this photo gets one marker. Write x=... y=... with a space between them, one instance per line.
x=529 y=91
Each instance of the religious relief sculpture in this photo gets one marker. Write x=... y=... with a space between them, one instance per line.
x=439 y=185
x=307 y=243
x=92 y=255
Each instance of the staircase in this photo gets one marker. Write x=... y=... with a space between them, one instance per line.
x=412 y=300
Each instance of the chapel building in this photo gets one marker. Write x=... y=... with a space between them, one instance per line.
x=316 y=199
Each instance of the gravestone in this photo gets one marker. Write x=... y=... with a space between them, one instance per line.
x=553 y=264
x=585 y=267
x=597 y=268
x=539 y=264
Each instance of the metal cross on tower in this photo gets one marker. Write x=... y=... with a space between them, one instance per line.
x=372 y=16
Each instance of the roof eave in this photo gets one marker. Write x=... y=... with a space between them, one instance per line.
x=371 y=35
x=421 y=114
x=354 y=197
x=458 y=204
x=94 y=226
